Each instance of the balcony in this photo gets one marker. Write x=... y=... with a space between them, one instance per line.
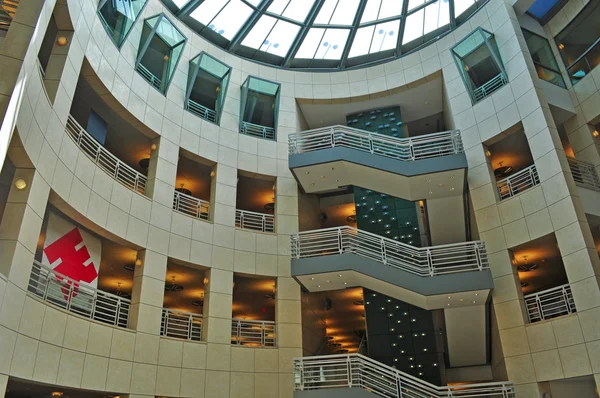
x=191 y=206
x=78 y=297
x=260 y=222
x=253 y=333
x=518 y=182
x=181 y=325
x=340 y=373
x=584 y=173
x=342 y=257
x=108 y=162
x=325 y=159
x=550 y=303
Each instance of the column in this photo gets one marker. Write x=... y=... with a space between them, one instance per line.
x=162 y=173
x=585 y=145
x=289 y=331
x=148 y=292
x=216 y=330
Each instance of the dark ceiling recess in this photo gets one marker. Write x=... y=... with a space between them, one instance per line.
x=405 y=337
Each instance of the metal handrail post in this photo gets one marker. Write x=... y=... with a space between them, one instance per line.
x=340 y=244
x=430 y=263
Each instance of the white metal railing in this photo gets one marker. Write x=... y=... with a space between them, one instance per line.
x=423 y=261
x=149 y=76
x=358 y=371
x=78 y=297
x=190 y=205
x=488 y=88
x=256 y=221
x=201 y=111
x=550 y=303
x=518 y=182
x=584 y=173
x=112 y=165
x=257 y=130
x=181 y=325
x=253 y=333
x=404 y=149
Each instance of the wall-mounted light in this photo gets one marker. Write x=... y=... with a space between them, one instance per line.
x=166 y=57
x=153 y=147
x=218 y=89
x=488 y=153
x=20 y=184
x=595 y=133
x=561 y=46
x=62 y=41
x=205 y=281
x=138 y=262
x=213 y=174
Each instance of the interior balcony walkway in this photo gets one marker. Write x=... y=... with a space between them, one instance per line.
x=428 y=166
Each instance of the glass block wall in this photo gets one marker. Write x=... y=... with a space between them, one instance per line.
x=377 y=212
x=404 y=336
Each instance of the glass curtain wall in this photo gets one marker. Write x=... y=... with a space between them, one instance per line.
x=578 y=43
x=118 y=17
x=543 y=59
x=207 y=85
x=478 y=61
x=259 y=108
x=160 y=48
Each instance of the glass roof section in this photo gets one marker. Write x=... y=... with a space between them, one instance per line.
x=323 y=34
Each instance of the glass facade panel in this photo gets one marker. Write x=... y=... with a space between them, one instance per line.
x=479 y=63
x=578 y=43
x=259 y=108
x=208 y=79
x=159 y=52
x=118 y=17
x=543 y=59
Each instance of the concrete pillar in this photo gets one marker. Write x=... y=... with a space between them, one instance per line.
x=222 y=213
x=162 y=172
x=148 y=292
x=586 y=146
x=21 y=225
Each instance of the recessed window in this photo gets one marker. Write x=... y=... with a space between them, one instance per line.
x=207 y=84
x=578 y=43
x=543 y=59
x=479 y=63
x=118 y=17
x=259 y=108
x=160 y=49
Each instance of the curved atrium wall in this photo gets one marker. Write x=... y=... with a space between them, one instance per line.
x=43 y=344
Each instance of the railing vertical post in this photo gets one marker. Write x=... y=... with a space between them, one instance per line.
x=411 y=148
x=430 y=263
x=166 y=322
x=349 y=370
x=264 y=223
x=241 y=219
x=332 y=138
x=566 y=298
x=538 y=302
x=238 y=332
x=383 y=253
x=191 y=325
x=263 y=337
x=340 y=244
x=371 y=146
x=398 y=386
x=478 y=257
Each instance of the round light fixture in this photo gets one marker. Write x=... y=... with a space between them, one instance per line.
x=20 y=184
x=138 y=262
x=62 y=41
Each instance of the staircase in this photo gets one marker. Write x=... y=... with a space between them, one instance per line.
x=355 y=375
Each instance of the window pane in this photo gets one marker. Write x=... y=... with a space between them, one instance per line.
x=332 y=45
x=371 y=11
x=278 y=6
x=436 y=16
x=259 y=32
x=327 y=9
x=461 y=6
x=311 y=42
x=298 y=9
x=414 y=3
x=414 y=27
x=579 y=36
x=362 y=41
x=230 y=20
x=345 y=12
x=207 y=10
x=390 y=8
x=280 y=39
x=180 y=3
x=385 y=37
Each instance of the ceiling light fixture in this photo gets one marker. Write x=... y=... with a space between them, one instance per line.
x=20 y=184
x=526 y=267
x=62 y=41
x=173 y=287
x=199 y=302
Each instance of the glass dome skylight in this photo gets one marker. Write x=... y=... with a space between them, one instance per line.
x=322 y=33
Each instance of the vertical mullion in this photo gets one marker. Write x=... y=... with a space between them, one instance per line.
x=403 y=16
x=352 y=35
x=308 y=22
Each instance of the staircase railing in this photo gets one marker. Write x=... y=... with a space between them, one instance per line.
x=78 y=297
x=404 y=149
x=108 y=162
x=550 y=303
x=518 y=182
x=423 y=261
x=358 y=371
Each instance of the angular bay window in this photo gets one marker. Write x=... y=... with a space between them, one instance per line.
x=118 y=17
x=543 y=59
x=207 y=86
x=478 y=61
x=160 y=48
x=579 y=42
x=259 y=108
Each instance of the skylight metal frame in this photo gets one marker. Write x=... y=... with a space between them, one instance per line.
x=289 y=61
